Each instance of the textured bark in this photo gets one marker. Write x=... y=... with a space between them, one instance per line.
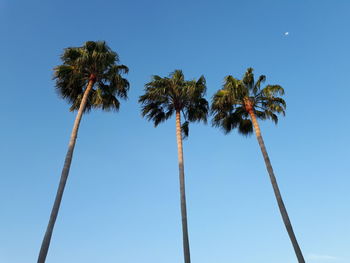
x=64 y=175
x=275 y=187
x=186 y=246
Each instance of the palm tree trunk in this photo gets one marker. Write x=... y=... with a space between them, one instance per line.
x=281 y=206
x=186 y=246
x=65 y=171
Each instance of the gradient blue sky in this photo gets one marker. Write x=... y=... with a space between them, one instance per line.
x=121 y=202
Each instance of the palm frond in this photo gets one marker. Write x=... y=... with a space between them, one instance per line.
x=257 y=85
x=185 y=129
x=227 y=120
x=272 y=91
x=248 y=79
x=245 y=127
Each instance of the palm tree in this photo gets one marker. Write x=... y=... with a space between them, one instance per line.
x=88 y=78
x=234 y=104
x=165 y=96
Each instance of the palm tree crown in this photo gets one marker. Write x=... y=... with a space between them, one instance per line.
x=232 y=103
x=95 y=62
x=164 y=96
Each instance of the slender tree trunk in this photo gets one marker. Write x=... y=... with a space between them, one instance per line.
x=281 y=206
x=65 y=171
x=186 y=246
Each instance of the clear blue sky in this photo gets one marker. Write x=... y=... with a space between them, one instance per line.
x=121 y=202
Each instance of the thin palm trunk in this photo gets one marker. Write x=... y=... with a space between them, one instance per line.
x=65 y=171
x=281 y=206
x=186 y=246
